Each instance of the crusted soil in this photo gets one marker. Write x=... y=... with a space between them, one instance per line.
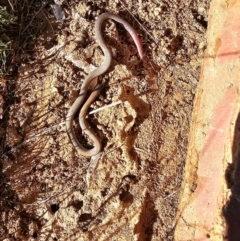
x=133 y=192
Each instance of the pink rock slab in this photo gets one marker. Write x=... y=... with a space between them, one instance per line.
x=216 y=109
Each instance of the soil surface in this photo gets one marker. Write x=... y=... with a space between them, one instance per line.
x=133 y=192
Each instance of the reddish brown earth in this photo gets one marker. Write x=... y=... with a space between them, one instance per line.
x=134 y=192
x=210 y=210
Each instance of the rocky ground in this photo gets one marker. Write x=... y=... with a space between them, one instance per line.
x=134 y=191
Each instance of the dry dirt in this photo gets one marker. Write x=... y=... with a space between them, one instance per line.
x=133 y=192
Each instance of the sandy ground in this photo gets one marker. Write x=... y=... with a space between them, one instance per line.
x=133 y=192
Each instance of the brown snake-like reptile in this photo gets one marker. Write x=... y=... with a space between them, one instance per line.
x=94 y=74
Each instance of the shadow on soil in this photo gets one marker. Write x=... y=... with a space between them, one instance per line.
x=12 y=214
x=231 y=210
